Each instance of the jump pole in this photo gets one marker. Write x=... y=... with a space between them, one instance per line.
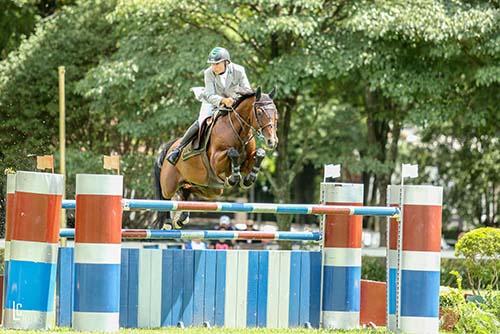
x=145 y=234
x=291 y=209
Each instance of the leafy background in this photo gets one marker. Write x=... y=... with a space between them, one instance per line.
x=366 y=84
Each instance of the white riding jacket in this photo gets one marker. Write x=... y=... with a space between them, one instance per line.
x=215 y=90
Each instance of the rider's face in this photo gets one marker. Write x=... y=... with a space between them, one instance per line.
x=219 y=68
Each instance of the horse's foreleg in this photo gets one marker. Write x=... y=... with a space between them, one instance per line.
x=251 y=177
x=235 y=176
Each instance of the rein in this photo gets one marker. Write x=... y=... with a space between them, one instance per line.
x=244 y=124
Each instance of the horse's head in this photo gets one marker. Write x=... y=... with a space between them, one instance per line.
x=266 y=117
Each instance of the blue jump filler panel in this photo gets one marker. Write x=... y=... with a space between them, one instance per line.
x=162 y=287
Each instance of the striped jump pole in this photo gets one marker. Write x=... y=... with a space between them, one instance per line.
x=414 y=297
x=30 y=292
x=341 y=257
x=9 y=217
x=97 y=252
x=144 y=234
x=290 y=209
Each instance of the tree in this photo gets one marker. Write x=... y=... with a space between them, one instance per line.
x=414 y=65
x=19 y=17
x=28 y=86
x=351 y=76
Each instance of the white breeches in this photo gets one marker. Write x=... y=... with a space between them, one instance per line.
x=206 y=111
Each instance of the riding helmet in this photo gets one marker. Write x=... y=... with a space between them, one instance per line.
x=217 y=55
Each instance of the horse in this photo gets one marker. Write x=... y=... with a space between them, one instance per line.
x=231 y=157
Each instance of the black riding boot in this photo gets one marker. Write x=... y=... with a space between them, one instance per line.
x=176 y=152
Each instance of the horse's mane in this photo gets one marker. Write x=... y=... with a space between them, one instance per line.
x=243 y=94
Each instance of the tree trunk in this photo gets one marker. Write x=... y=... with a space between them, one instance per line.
x=384 y=142
x=305 y=191
x=281 y=185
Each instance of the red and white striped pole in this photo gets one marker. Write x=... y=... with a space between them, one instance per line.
x=31 y=280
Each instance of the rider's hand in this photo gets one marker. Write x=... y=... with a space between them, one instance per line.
x=228 y=101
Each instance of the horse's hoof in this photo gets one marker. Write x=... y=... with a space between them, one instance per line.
x=180 y=219
x=248 y=181
x=233 y=180
x=166 y=227
x=260 y=154
x=180 y=224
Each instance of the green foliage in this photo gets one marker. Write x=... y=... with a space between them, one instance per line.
x=351 y=77
x=481 y=250
x=471 y=316
x=29 y=80
x=373 y=268
x=16 y=20
x=451 y=298
x=448 y=269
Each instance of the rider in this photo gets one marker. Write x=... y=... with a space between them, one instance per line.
x=223 y=79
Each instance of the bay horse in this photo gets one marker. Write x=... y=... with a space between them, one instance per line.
x=231 y=157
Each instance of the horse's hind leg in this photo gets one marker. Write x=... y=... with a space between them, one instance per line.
x=235 y=176
x=162 y=220
x=251 y=177
x=168 y=180
x=180 y=218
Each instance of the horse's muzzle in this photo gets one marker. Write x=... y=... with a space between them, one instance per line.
x=272 y=143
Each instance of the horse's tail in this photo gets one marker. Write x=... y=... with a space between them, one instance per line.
x=157 y=169
x=162 y=216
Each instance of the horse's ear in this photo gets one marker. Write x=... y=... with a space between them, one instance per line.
x=272 y=93
x=258 y=94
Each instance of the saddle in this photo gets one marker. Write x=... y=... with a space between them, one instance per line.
x=199 y=143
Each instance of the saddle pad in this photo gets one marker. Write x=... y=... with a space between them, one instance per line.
x=190 y=150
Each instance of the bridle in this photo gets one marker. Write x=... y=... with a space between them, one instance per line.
x=264 y=107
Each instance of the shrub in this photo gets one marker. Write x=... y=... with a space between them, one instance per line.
x=469 y=316
x=373 y=268
x=448 y=266
x=481 y=250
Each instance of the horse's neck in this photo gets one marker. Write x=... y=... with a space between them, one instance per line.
x=244 y=110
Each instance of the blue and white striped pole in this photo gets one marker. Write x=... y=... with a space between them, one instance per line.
x=291 y=209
